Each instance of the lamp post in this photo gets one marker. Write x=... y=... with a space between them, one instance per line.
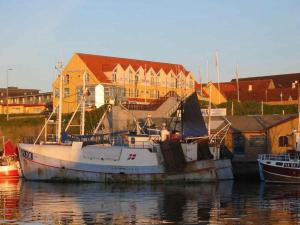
x=281 y=98
x=9 y=69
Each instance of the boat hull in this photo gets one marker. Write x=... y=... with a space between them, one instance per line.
x=278 y=174
x=50 y=169
x=11 y=171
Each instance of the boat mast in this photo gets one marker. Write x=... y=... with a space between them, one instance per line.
x=237 y=73
x=84 y=92
x=209 y=109
x=59 y=67
x=218 y=73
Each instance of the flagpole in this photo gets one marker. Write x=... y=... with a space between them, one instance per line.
x=200 y=81
x=218 y=73
x=145 y=78
x=237 y=82
x=207 y=72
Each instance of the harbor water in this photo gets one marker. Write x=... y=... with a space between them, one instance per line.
x=229 y=202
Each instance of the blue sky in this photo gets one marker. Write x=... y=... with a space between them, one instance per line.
x=262 y=36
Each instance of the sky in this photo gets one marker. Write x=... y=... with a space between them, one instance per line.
x=261 y=36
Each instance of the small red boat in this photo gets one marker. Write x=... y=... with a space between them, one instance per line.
x=9 y=163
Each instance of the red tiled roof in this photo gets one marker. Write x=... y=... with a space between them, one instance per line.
x=269 y=95
x=198 y=89
x=280 y=81
x=256 y=84
x=99 y=64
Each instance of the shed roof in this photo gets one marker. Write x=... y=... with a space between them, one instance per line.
x=255 y=123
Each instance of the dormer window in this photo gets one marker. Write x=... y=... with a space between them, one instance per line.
x=87 y=78
x=114 y=75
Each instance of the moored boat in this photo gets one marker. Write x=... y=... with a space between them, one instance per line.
x=284 y=168
x=9 y=163
x=138 y=156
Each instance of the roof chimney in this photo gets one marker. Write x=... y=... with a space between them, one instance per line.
x=250 y=87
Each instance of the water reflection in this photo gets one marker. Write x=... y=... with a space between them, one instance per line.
x=223 y=203
x=9 y=200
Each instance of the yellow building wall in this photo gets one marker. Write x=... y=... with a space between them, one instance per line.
x=150 y=86
x=75 y=69
x=214 y=94
x=284 y=129
x=19 y=109
x=250 y=152
x=137 y=85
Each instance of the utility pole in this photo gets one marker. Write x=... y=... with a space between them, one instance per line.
x=7 y=111
x=209 y=109
x=145 y=79
x=207 y=72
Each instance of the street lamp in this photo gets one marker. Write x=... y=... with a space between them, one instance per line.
x=9 y=69
x=281 y=98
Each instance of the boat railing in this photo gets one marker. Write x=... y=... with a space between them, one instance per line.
x=283 y=157
x=152 y=146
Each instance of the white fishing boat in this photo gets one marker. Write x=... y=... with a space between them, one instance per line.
x=133 y=157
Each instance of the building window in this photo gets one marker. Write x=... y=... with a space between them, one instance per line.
x=283 y=141
x=114 y=77
x=136 y=78
x=67 y=79
x=152 y=93
x=66 y=92
x=152 y=81
x=157 y=80
x=87 y=78
x=257 y=140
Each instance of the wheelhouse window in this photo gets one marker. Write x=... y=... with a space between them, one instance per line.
x=283 y=141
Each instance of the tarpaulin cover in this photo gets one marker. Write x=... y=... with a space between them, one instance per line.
x=192 y=119
x=9 y=149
